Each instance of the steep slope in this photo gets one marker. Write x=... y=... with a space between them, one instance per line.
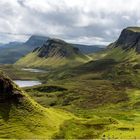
x=11 y=52
x=129 y=39
x=53 y=53
x=21 y=117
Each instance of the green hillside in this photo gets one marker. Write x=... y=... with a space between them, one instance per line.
x=104 y=92
x=54 y=53
x=99 y=98
x=21 y=117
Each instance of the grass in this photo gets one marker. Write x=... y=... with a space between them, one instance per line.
x=103 y=88
x=134 y=29
x=32 y=60
x=22 y=117
x=29 y=124
x=98 y=99
x=15 y=72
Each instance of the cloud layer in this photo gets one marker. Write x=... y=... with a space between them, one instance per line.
x=78 y=21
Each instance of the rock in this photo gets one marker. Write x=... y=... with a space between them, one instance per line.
x=56 y=47
x=8 y=90
x=129 y=39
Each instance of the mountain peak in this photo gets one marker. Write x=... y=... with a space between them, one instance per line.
x=129 y=39
x=36 y=40
x=56 y=47
x=57 y=41
x=53 y=53
x=38 y=37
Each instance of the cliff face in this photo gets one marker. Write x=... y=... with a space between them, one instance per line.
x=8 y=90
x=129 y=38
x=56 y=47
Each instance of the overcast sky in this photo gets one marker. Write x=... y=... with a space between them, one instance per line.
x=78 y=21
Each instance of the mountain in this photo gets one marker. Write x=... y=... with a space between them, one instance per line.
x=11 y=52
x=36 y=40
x=103 y=93
x=11 y=44
x=54 y=52
x=88 y=49
x=22 y=117
x=129 y=39
x=107 y=87
x=1 y=44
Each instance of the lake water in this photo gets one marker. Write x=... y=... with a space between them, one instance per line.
x=27 y=83
x=34 y=70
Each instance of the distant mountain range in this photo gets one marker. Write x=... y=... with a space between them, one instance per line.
x=11 y=44
x=11 y=52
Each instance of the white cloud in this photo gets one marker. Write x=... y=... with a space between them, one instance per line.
x=126 y=17
x=89 y=40
x=76 y=20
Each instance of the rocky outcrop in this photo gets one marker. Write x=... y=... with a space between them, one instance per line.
x=56 y=47
x=129 y=39
x=8 y=90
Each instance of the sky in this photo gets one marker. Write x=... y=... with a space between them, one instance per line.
x=76 y=21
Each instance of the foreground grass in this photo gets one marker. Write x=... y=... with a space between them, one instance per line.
x=97 y=115
x=24 y=124
x=119 y=120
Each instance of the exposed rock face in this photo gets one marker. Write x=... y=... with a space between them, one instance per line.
x=56 y=47
x=8 y=90
x=129 y=38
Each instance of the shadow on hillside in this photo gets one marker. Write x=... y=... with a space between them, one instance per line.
x=5 y=108
x=6 y=105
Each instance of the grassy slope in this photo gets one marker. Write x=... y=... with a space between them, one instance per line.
x=31 y=122
x=32 y=60
x=134 y=29
x=15 y=73
x=27 y=119
x=104 y=93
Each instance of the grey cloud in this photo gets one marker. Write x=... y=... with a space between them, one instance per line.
x=74 y=23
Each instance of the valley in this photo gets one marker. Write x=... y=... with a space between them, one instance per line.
x=78 y=96
x=69 y=69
